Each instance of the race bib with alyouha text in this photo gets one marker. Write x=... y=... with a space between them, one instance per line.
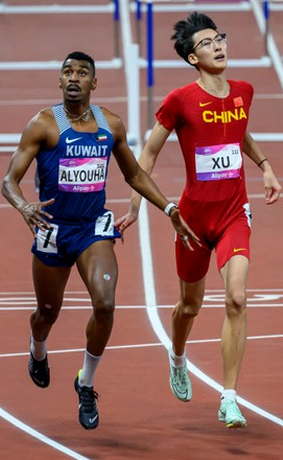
x=82 y=174
x=216 y=162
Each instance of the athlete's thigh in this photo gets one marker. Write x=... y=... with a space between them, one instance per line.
x=49 y=283
x=192 y=293
x=192 y=266
x=235 y=274
x=234 y=241
x=98 y=268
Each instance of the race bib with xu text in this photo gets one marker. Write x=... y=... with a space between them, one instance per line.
x=216 y=162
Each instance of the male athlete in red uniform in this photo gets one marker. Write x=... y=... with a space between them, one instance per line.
x=210 y=118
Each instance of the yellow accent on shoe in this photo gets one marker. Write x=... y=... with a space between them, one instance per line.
x=230 y=414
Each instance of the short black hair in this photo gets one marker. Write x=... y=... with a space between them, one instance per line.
x=80 y=56
x=184 y=31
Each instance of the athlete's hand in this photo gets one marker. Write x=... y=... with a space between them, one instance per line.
x=271 y=186
x=34 y=214
x=183 y=230
x=125 y=221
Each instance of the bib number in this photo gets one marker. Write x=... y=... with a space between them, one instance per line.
x=104 y=225
x=46 y=239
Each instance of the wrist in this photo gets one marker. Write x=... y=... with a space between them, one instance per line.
x=262 y=162
x=169 y=208
x=21 y=207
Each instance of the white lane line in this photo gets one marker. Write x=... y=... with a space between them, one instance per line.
x=140 y=345
x=55 y=9
x=85 y=292
x=129 y=307
x=261 y=62
x=157 y=326
x=41 y=437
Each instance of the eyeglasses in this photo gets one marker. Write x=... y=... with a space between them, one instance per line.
x=207 y=42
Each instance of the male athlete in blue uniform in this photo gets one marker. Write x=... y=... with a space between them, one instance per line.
x=72 y=143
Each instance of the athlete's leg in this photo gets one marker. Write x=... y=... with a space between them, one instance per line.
x=191 y=295
x=234 y=274
x=192 y=267
x=97 y=266
x=49 y=284
x=187 y=308
x=232 y=252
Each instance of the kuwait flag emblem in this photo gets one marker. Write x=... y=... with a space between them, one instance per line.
x=101 y=137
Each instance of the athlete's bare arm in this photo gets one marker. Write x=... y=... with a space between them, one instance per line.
x=38 y=133
x=140 y=181
x=271 y=184
x=147 y=161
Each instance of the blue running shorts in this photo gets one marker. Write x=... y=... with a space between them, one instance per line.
x=61 y=245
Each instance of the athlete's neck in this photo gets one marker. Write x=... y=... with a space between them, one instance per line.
x=216 y=85
x=78 y=112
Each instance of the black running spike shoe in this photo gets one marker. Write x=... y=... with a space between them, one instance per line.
x=88 y=413
x=39 y=371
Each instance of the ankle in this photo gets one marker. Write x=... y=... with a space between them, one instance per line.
x=229 y=394
x=177 y=360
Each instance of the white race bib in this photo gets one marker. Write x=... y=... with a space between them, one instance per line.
x=82 y=174
x=46 y=239
x=216 y=162
x=104 y=225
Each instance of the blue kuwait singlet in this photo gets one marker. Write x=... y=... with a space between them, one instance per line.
x=74 y=172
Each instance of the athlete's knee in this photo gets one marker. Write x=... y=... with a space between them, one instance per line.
x=235 y=302
x=47 y=313
x=103 y=308
x=188 y=308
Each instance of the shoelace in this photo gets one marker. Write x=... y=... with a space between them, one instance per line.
x=181 y=374
x=87 y=398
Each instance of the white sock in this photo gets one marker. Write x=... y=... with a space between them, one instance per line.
x=38 y=349
x=176 y=360
x=87 y=372
x=229 y=394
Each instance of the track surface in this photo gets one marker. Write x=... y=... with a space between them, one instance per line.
x=140 y=419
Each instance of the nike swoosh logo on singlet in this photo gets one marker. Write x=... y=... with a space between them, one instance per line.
x=203 y=104
x=70 y=141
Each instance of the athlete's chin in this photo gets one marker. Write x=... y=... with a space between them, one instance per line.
x=71 y=97
x=218 y=68
x=220 y=63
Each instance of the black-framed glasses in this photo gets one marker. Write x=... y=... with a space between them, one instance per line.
x=219 y=39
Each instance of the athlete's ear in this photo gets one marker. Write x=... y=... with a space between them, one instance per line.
x=193 y=60
x=93 y=83
x=60 y=82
